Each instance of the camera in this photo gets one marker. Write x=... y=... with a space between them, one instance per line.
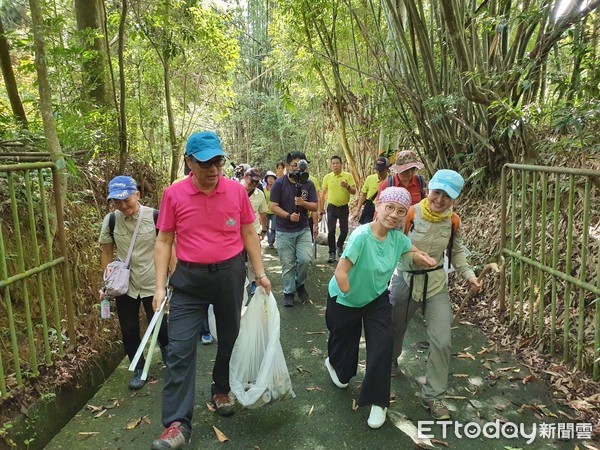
x=300 y=175
x=239 y=170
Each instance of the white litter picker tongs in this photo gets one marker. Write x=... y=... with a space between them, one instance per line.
x=153 y=329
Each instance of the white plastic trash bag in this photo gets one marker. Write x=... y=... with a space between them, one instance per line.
x=212 y=322
x=258 y=374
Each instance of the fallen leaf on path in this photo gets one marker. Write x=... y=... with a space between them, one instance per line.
x=591 y=446
x=211 y=407
x=466 y=356
x=354 y=405
x=100 y=413
x=301 y=369
x=455 y=397
x=311 y=410
x=528 y=378
x=88 y=433
x=94 y=408
x=482 y=351
x=313 y=388
x=506 y=369
x=568 y=416
x=135 y=422
x=220 y=436
x=315 y=332
x=408 y=428
x=487 y=365
x=460 y=375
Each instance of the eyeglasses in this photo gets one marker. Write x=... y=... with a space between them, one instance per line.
x=400 y=212
x=218 y=162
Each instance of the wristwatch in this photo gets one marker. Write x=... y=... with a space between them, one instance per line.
x=288 y=216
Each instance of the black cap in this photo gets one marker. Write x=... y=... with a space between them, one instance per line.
x=381 y=163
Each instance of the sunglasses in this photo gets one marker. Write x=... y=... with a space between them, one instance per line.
x=218 y=162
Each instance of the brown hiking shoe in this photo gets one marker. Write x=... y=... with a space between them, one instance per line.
x=436 y=408
x=223 y=403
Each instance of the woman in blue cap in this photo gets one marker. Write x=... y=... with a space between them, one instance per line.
x=433 y=227
x=130 y=218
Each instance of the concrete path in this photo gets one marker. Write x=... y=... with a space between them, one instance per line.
x=489 y=391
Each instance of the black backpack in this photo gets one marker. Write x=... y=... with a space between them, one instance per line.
x=390 y=183
x=112 y=218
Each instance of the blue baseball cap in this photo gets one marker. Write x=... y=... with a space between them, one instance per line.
x=203 y=146
x=449 y=181
x=121 y=187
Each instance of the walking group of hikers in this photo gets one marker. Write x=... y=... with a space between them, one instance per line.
x=209 y=226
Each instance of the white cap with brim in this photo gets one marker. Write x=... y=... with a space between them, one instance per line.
x=449 y=181
x=204 y=146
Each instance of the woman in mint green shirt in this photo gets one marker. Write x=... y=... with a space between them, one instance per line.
x=358 y=297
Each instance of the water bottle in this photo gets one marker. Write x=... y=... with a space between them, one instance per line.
x=105 y=308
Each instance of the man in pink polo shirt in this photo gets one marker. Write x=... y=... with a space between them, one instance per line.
x=213 y=220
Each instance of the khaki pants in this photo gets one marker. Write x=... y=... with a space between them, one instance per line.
x=438 y=314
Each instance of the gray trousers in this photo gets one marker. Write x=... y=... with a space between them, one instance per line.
x=193 y=290
x=438 y=314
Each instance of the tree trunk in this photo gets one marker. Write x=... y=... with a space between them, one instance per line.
x=90 y=17
x=9 y=79
x=53 y=144
x=50 y=133
x=122 y=92
x=171 y=120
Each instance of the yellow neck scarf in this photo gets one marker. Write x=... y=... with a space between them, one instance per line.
x=431 y=216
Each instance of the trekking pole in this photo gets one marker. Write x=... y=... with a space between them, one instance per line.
x=149 y=331
x=150 y=354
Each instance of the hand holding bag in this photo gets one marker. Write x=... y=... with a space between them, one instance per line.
x=116 y=274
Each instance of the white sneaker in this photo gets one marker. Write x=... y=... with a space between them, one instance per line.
x=377 y=416
x=334 y=376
